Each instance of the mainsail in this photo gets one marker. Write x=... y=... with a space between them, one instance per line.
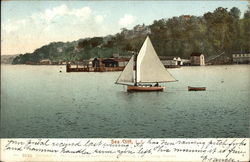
x=127 y=75
x=149 y=66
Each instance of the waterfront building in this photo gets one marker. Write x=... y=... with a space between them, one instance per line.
x=110 y=62
x=185 y=62
x=197 y=59
x=171 y=61
x=46 y=62
x=241 y=58
x=95 y=62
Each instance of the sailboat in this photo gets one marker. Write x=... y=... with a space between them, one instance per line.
x=145 y=71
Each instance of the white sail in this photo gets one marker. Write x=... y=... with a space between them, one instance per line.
x=149 y=66
x=127 y=75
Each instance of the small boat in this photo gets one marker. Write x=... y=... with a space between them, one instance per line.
x=196 y=88
x=145 y=71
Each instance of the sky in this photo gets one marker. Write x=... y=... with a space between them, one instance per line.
x=28 y=25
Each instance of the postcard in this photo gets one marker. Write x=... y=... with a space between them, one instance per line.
x=125 y=80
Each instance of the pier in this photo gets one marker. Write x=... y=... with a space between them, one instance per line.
x=97 y=65
x=77 y=68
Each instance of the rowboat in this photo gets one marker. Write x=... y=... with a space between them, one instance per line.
x=196 y=88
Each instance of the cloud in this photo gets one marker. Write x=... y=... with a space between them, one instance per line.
x=126 y=20
x=12 y=26
x=63 y=10
x=60 y=23
x=9 y=27
x=83 y=13
x=50 y=14
x=99 y=18
x=49 y=17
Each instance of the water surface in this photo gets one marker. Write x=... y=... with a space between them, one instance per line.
x=39 y=101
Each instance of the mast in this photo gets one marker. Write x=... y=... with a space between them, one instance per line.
x=135 y=57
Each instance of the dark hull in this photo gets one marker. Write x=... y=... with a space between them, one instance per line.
x=196 y=88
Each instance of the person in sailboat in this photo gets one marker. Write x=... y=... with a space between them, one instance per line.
x=157 y=84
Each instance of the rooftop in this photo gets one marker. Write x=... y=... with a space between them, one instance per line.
x=196 y=54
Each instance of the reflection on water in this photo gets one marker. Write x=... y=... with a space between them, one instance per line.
x=39 y=101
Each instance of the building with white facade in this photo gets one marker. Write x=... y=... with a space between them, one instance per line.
x=197 y=59
x=241 y=58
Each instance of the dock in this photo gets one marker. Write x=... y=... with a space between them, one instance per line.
x=172 y=66
x=97 y=65
x=76 y=68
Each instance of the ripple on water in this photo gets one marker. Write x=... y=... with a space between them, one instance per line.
x=109 y=111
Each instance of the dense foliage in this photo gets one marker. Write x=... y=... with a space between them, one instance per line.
x=213 y=33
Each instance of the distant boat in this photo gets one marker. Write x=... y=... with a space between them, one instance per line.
x=196 y=88
x=145 y=71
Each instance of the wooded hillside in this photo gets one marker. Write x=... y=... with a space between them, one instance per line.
x=213 y=33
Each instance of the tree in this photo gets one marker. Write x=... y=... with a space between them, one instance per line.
x=213 y=33
x=235 y=12
x=246 y=30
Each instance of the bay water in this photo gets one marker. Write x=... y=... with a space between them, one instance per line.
x=41 y=101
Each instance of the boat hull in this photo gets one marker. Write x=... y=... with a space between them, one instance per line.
x=144 y=88
x=196 y=88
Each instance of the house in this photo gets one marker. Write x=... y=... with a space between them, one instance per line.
x=178 y=60
x=241 y=58
x=110 y=62
x=122 y=62
x=59 y=49
x=197 y=59
x=185 y=62
x=63 y=62
x=95 y=62
x=171 y=61
x=55 y=63
x=186 y=17
x=45 y=62
x=168 y=63
x=107 y=62
x=141 y=29
x=116 y=55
